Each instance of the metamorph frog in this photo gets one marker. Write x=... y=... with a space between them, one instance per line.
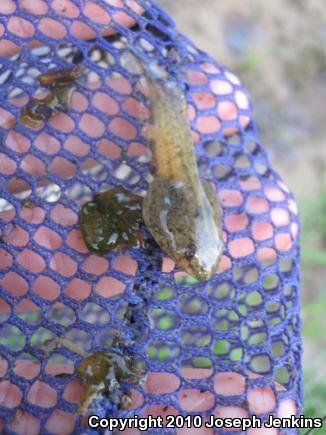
x=103 y=375
x=106 y=375
x=180 y=210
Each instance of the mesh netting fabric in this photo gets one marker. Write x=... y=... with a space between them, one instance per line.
x=241 y=327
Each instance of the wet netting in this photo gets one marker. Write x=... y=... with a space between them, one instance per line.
x=228 y=347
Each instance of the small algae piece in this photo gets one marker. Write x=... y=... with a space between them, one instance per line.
x=61 y=76
x=58 y=99
x=112 y=221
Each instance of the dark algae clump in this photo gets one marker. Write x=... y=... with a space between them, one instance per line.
x=108 y=374
x=61 y=83
x=112 y=221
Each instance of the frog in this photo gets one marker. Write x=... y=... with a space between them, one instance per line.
x=180 y=210
x=105 y=374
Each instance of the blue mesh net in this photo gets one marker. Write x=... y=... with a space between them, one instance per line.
x=228 y=340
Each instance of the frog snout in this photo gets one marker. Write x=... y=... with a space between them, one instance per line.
x=202 y=261
x=197 y=268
